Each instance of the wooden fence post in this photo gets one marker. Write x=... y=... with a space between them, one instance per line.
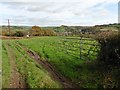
x=81 y=47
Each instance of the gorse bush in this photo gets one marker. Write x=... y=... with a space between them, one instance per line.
x=37 y=31
x=110 y=47
x=19 y=34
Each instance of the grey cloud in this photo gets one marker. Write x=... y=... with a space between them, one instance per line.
x=44 y=21
x=52 y=7
x=48 y=7
x=14 y=5
x=37 y=7
x=33 y=6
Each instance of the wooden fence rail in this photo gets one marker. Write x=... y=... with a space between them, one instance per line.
x=79 y=50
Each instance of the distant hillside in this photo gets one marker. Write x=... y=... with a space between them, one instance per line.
x=113 y=27
x=68 y=29
x=64 y=28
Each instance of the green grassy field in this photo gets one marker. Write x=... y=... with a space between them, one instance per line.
x=33 y=74
x=5 y=66
x=82 y=72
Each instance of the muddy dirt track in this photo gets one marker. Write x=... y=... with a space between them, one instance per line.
x=50 y=68
x=10 y=37
x=16 y=80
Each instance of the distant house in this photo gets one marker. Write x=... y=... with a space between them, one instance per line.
x=86 y=31
x=27 y=36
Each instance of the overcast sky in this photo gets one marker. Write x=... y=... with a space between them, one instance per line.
x=58 y=12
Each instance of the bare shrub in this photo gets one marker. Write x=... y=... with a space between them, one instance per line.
x=110 y=47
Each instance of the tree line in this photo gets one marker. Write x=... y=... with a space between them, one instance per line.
x=33 y=31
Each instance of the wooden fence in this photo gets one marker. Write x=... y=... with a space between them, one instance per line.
x=82 y=48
